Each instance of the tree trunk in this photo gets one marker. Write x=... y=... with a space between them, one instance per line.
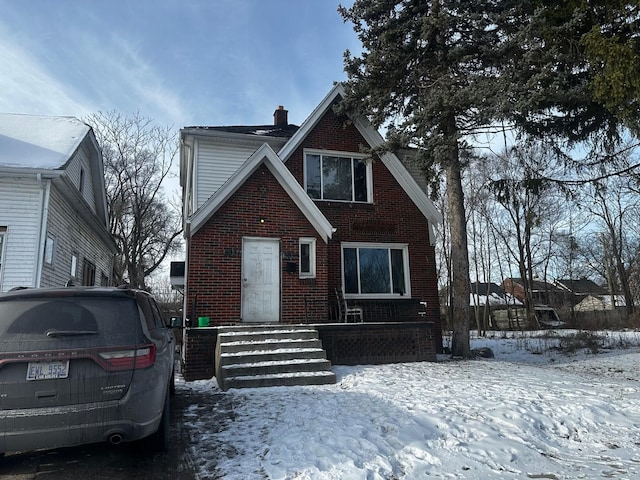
x=460 y=287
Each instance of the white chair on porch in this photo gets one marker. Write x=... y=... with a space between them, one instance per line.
x=346 y=312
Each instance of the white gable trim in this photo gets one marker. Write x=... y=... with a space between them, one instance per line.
x=285 y=178
x=374 y=139
x=399 y=171
x=311 y=121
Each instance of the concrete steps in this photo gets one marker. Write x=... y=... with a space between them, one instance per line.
x=267 y=356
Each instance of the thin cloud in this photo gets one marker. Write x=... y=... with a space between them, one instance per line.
x=28 y=87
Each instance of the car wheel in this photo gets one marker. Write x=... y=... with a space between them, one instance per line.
x=159 y=441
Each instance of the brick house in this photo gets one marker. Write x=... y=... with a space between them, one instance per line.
x=280 y=219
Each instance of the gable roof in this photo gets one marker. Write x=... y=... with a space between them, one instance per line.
x=286 y=139
x=44 y=145
x=373 y=137
x=482 y=288
x=536 y=285
x=39 y=142
x=581 y=286
x=264 y=155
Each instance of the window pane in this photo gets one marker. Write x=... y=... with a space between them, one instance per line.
x=48 y=249
x=374 y=270
x=313 y=176
x=360 y=180
x=305 y=258
x=350 y=271
x=397 y=272
x=336 y=176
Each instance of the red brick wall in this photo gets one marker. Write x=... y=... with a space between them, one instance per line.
x=215 y=254
x=199 y=354
x=393 y=217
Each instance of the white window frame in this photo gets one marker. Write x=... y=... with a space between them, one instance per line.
x=389 y=246
x=74 y=266
x=351 y=155
x=49 y=249
x=311 y=242
x=3 y=241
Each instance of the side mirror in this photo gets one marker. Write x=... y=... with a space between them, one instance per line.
x=176 y=322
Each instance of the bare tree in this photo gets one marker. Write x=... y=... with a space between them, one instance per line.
x=137 y=159
x=529 y=215
x=613 y=204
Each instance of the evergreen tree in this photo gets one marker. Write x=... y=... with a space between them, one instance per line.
x=429 y=69
x=436 y=72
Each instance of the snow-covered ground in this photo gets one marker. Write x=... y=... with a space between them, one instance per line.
x=530 y=412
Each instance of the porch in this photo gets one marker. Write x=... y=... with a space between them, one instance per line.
x=373 y=310
x=362 y=343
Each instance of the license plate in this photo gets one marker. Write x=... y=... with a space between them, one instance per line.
x=47 y=370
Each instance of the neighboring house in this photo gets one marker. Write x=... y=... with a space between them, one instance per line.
x=53 y=208
x=581 y=288
x=589 y=296
x=277 y=218
x=491 y=294
x=543 y=293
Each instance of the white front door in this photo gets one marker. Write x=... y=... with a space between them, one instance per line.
x=260 y=280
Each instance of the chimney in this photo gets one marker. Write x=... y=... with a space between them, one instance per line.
x=280 y=117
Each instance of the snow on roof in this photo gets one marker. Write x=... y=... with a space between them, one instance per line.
x=34 y=141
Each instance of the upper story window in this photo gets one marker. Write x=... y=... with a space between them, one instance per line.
x=337 y=176
x=74 y=266
x=3 y=232
x=81 y=185
x=49 y=248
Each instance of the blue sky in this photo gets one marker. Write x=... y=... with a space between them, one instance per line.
x=189 y=62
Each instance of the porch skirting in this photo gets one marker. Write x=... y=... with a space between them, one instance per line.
x=344 y=343
x=377 y=343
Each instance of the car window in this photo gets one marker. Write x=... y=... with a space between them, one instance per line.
x=159 y=318
x=105 y=315
x=152 y=315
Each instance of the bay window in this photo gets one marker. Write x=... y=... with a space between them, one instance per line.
x=375 y=270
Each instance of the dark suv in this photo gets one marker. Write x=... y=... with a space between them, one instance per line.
x=83 y=365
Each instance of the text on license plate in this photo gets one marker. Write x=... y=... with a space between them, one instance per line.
x=47 y=370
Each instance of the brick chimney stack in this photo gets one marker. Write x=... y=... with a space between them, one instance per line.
x=280 y=117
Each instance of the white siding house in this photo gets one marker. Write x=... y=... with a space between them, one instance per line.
x=53 y=208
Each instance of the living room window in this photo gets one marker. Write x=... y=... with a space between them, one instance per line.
x=375 y=270
x=337 y=176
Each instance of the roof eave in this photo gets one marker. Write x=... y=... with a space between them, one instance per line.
x=24 y=172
